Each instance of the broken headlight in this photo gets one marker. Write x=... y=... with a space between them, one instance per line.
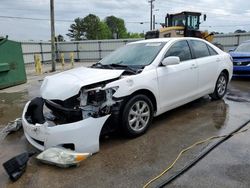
x=97 y=102
x=62 y=157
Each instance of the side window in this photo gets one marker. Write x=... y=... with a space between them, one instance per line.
x=200 y=48
x=180 y=49
x=211 y=50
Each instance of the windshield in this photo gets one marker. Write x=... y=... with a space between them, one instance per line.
x=179 y=21
x=139 y=54
x=244 y=47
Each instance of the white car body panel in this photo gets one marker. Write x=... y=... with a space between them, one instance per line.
x=84 y=134
x=171 y=77
x=172 y=86
x=69 y=83
x=206 y=71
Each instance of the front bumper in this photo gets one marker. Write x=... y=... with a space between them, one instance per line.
x=241 y=71
x=84 y=134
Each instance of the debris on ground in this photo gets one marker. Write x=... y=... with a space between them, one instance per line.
x=16 y=166
x=62 y=157
x=11 y=127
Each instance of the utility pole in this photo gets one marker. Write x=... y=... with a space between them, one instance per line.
x=151 y=12
x=153 y=22
x=52 y=23
x=154 y=18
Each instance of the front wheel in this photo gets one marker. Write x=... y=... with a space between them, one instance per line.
x=220 y=87
x=137 y=115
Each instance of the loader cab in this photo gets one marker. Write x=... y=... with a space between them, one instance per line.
x=184 y=24
x=189 y=20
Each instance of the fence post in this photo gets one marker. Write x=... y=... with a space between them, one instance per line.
x=238 y=40
x=41 y=49
x=77 y=51
x=57 y=51
x=100 y=50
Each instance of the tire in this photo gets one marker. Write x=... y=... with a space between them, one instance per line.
x=137 y=116
x=220 y=87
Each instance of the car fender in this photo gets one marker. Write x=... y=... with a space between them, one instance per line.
x=226 y=64
x=130 y=84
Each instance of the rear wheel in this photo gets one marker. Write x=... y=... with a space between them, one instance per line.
x=137 y=115
x=220 y=87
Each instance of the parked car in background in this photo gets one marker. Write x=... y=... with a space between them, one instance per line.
x=125 y=90
x=241 y=60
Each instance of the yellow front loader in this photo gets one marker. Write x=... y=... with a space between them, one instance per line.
x=184 y=24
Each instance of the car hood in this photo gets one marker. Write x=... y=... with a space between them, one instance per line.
x=64 y=85
x=240 y=54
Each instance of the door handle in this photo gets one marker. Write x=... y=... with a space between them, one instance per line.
x=218 y=60
x=193 y=66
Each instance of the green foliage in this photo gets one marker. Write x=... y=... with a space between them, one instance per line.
x=116 y=26
x=240 y=31
x=135 y=35
x=92 y=28
x=104 y=31
x=59 y=38
x=91 y=24
x=76 y=30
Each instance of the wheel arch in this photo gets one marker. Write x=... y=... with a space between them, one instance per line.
x=226 y=72
x=147 y=93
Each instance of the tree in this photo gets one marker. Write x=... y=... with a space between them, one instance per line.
x=59 y=38
x=91 y=24
x=76 y=30
x=89 y=27
x=116 y=26
x=104 y=31
x=135 y=35
x=240 y=31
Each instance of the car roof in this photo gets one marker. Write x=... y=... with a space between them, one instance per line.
x=165 y=39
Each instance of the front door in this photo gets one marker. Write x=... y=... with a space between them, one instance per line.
x=178 y=83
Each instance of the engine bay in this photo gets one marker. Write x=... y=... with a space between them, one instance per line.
x=89 y=102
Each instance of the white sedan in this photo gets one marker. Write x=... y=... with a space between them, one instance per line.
x=124 y=90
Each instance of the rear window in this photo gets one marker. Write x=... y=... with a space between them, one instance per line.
x=200 y=48
x=211 y=50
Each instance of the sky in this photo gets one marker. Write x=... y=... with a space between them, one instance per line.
x=222 y=16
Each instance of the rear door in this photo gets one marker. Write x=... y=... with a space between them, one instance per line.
x=207 y=60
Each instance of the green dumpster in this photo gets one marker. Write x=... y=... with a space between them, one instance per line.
x=12 y=69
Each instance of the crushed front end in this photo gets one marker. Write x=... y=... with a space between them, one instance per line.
x=74 y=123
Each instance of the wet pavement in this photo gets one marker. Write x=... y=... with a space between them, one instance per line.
x=126 y=163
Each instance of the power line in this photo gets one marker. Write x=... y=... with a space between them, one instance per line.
x=59 y=20
x=130 y=22
x=35 y=19
x=199 y=5
x=237 y=25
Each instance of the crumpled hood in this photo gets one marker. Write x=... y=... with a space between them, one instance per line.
x=64 y=85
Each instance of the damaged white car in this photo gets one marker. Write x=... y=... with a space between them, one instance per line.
x=125 y=90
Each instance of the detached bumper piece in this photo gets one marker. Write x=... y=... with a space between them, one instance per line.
x=15 y=167
x=81 y=136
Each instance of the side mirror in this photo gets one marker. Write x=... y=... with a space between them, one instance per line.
x=171 y=60
x=204 y=17
x=231 y=50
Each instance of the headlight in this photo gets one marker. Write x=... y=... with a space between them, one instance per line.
x=62 y=157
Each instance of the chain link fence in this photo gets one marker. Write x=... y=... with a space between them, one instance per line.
x=94 y=50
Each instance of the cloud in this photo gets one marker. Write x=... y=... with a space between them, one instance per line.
x=220 y=14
